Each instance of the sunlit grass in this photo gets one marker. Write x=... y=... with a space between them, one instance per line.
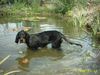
x=96 y=24
x=78 y=16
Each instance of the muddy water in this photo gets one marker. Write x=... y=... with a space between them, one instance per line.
x=72 y=60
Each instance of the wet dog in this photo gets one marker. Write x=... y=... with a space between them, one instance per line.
x=34 y=41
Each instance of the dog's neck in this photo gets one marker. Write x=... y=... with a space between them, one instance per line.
x=27 y=39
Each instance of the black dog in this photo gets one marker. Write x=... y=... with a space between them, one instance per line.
x=34 y=41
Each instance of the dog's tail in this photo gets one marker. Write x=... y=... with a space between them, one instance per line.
x=70 y=42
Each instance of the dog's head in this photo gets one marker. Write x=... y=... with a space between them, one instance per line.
x=21 y=37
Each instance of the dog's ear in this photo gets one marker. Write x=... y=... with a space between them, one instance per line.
x=17 y=38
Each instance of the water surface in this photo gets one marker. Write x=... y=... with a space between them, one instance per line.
x=72 y=60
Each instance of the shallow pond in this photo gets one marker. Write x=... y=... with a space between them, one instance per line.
x=72 y=60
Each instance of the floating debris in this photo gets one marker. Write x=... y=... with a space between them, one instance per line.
x=25 y=61
x=21 y=52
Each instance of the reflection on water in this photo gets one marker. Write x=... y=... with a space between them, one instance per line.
x=72 y=60
x=46 y=27
x=8 y=28
x=44 y=53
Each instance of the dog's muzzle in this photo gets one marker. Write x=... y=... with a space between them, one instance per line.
x=22 y=40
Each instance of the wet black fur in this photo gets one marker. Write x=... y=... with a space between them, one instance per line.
x=34 y=41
